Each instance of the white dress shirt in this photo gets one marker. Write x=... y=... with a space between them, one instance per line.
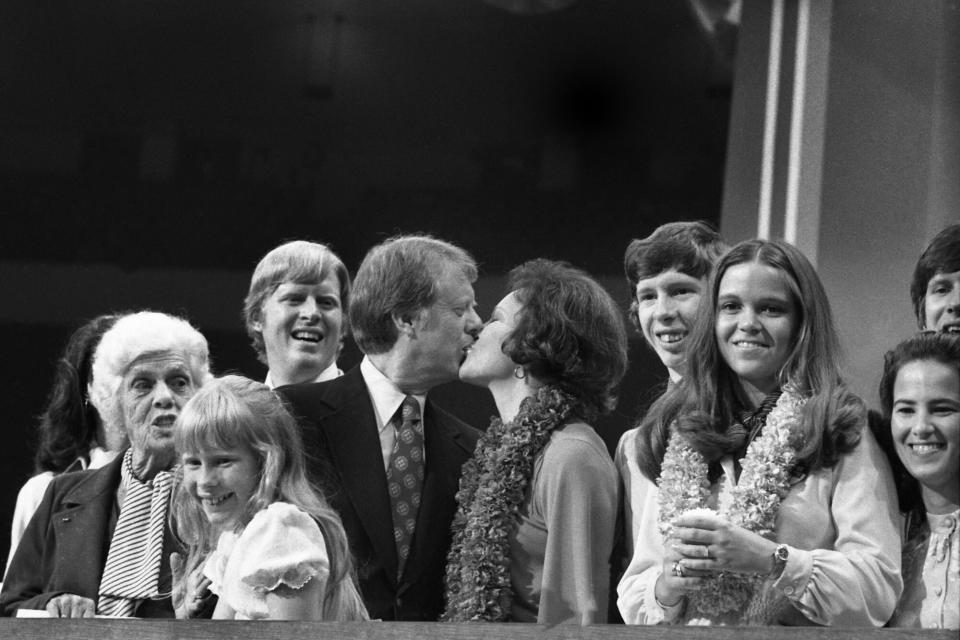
x=331 y=372
x=386 y=398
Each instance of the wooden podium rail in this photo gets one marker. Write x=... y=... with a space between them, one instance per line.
x=39 y=629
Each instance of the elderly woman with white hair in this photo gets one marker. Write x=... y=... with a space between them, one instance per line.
x=99 y=542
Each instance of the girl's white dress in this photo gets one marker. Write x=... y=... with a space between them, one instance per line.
x=281 y=546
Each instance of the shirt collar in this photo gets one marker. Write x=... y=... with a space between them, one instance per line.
x=385 y=395
x=331 y=372
x=99 y=457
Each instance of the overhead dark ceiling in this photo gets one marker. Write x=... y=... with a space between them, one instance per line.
x=446 y=115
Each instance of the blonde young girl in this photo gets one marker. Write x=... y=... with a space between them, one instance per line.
x=257 y=534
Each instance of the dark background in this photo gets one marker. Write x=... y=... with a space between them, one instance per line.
x=187 y=136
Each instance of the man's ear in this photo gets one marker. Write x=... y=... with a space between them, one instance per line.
x=406 y=323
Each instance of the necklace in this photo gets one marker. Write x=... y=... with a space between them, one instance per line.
x=492 y=489
x=754 y=502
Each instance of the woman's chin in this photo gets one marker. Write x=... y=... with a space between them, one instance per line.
x=471 y=378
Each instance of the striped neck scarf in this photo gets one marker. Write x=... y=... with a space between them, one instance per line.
x=132 y=571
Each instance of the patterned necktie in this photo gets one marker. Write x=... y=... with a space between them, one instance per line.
x=405 y=476
x=132 y=570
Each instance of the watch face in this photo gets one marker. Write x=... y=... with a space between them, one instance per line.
x=782 y=552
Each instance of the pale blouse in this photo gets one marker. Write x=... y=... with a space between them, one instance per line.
x=841 y=529
x=281 y=545
x=631 y=479
x=560 y=553
x=931 y=576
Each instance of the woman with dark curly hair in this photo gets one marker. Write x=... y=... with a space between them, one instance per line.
x=920 y=394
x=769 y=501
x=538 y=501
x=72 y=436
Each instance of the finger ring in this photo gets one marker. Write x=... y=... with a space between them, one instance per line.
x=706 y=551
x=678 y=569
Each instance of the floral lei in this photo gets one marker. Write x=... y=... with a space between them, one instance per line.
x=492 y=489
x=754 y=503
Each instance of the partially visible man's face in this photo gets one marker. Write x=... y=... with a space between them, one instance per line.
x=446 y=329
x=941 y=303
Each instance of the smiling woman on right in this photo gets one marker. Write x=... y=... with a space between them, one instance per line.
x=772 y=503
x=920 y=394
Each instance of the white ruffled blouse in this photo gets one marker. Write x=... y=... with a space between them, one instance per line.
x=281 y=545
x=931 y=576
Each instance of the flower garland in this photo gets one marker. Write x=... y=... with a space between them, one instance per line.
x=754 y=501
x=492 y=489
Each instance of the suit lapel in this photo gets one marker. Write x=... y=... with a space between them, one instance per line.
x=354 y=442
x=88 y=512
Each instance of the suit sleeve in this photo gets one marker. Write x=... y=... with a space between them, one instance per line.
x=29 y=572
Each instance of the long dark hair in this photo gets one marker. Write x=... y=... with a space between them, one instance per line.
x=703 y=406
x=69 y=422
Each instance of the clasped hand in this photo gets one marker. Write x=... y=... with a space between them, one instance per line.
x=69 y=605
x=707 y=543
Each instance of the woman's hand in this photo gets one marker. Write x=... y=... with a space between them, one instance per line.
x=678 y=578
x=68 y=605
x=710 y=543
x=189 y=596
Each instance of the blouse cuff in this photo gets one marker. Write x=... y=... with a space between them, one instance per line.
x=796 y=574
x=654 y=610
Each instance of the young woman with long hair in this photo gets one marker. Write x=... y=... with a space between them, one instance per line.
x=772 y=503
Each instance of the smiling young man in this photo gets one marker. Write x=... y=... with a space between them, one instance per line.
x=390 y=458
x=295 y=312
x=667 y=272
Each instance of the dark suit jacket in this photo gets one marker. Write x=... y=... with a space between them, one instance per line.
x=65 y=546
x=344 y=456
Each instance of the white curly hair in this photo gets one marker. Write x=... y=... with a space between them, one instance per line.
x=131 y=337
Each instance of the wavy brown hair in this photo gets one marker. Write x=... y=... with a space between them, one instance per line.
x=704 y=405
x=569 y=333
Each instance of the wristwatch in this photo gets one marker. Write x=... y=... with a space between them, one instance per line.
x=780 y=555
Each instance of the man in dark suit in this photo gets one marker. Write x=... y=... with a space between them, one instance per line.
x=388 y=458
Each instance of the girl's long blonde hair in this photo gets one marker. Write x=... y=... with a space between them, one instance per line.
x=234 y=411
